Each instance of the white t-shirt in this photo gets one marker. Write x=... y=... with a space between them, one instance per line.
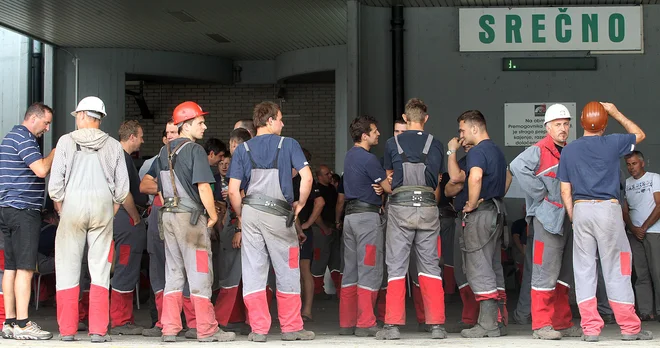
x=639 y=195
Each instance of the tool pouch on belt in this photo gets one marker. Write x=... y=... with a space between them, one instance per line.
x=495 y=227
x=355 y=206
x=271 y=205
x=501 y=222
x=413 y=196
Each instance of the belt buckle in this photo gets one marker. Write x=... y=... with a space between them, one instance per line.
x=269 y=204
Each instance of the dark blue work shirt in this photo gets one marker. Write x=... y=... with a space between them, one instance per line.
x=263 y=149
x=361 y=169
x=591 y=165
x=462 y=197
x=412 y=142
x=488 y=156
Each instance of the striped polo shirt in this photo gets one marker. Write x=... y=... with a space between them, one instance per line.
x=20 y=188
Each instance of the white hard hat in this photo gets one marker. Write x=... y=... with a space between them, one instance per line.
x=93 y=105
x=556 y=111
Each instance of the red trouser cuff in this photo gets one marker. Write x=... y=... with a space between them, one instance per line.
x=67 y=310
x=171 y=317
x=205 y=322
x=288 y=310
x=189 y=312
x=470 y=306
x=418 y=302
x=434 y=299
x=348 y=305
x=395 y=313
x=366 y=299
x=224 y=305
x=258 y=312
x=98 y=310
x=121 y=308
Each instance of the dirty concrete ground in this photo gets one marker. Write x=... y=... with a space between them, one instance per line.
x=326 y=327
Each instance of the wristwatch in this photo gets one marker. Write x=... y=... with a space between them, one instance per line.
x=449 y=152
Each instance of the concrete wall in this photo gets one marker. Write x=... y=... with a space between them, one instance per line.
x=309 y=112
x=102 y=73
x=14 y=63
x=451 y=82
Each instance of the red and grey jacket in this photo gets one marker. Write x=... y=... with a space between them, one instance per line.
x=536 y=171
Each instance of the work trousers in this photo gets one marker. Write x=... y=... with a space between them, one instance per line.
x=599 y=230
x=363 y=273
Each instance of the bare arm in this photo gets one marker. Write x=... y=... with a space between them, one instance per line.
x=319 y=203
x=131 y=209
x=626 y=215
x=452 y=189
x=509 y=178
x=41 y=168
x=474 y=189
x=206 y=195
x=629 y=125
x=456 y=175
x=235 y=198
x=149 y=185
x=567 y=198
x=339 y=207
x=306 y=180
x=655 y=214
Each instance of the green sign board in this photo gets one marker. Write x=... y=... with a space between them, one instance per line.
x=551 y=29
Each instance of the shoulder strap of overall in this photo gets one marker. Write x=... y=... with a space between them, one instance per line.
x=427 y=147
x=277 y=153
x=247 y=149
x=171 y=154
x=404 y=158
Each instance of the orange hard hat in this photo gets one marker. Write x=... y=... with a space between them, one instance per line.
x=187 y=111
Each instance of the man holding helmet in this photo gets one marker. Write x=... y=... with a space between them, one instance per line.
x=186 y=218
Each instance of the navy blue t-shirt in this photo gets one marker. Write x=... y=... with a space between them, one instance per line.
x=488 y=156
x=412 y=142
x=263 y=149
x=361 y=169
x=462 y=197
x=591 y=165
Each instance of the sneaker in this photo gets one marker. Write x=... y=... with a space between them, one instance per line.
x=68 y=338
x=366 y=331
x=646 y=317
x=82 y=327
x=219 y=336
x=302 y=335
x=590 y=338
x=153 y=332
x=7 y=331
x=347 y=331
x=422 y=327
x=573 y=331
x=547 y=333
x=127 y=329
x=101 y=338
x=255 y=337
x=438 y=332
x=460 y=326
x=389 y=332
x=608 y=319
x=168 y=338
x=191 y=334
x=642 y=336
x=31 y=331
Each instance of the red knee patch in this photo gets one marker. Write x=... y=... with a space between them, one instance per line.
x=538 y=252
x=369 y=255
x=317 y=254
x=293 y=257
x=2 y=260
x=111 y=254
x=439 y=246
x=202 y=261
x=626 y=270
x=124 y=254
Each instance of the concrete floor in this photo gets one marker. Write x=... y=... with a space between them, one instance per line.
x=326 y=328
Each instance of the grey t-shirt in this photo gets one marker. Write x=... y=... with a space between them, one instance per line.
x=191 y=166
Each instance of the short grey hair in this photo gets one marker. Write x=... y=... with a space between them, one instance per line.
x=639 y=154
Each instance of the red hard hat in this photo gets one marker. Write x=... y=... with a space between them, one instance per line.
x=187 y=111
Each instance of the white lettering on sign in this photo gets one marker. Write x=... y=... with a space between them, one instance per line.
x=524 y=122
x=551 y=29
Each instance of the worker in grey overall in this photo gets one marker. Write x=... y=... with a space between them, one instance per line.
x=552 y=272
x=482 y=220
x=266 y=219
x=363 y=230
x=413 y=223
x=89 y=167
x=187 y=215
x=589 y=172
x=156 y=250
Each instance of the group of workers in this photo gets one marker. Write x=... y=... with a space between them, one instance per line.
x=391 y=227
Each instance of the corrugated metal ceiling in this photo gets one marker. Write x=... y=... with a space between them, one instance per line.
x=256 y=29
x=506 y=3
